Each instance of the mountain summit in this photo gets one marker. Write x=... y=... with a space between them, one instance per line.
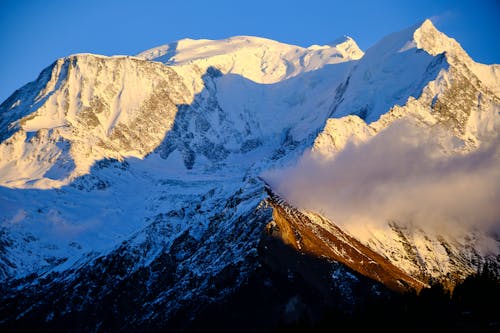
x=164 y=190
x=258 y=59
x=434 y=42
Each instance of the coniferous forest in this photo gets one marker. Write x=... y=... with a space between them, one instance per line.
x=472 y=306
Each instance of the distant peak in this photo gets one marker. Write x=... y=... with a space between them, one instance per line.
x=430 y=39
x=347 y=46
x=427 y=28
x=341 y=40
x=427 y=24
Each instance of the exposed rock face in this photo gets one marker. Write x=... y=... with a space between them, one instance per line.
x=318 y=237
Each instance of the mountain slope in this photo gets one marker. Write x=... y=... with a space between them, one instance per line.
x=133 y=186
x=455 y=114
x=315 y=235
x=88 y=108
x=107 y=128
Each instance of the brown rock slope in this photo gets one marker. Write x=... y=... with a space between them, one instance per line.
x=300 y=232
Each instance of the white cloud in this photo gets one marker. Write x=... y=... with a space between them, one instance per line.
x=402 y=174
x=444 y=17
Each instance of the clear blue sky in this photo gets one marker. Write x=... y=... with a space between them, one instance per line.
x=34 y=33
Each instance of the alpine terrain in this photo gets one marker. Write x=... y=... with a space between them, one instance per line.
x=245 y=183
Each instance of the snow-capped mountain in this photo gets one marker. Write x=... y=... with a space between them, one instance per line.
x=150 y=188
x=258 y=59
x=457 y=106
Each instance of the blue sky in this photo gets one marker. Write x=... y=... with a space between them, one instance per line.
x=35 y=33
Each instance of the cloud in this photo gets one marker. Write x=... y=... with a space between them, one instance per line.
x=403 y=174
x=444 y=17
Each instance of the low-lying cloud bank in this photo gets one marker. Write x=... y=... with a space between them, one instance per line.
x=403 y=174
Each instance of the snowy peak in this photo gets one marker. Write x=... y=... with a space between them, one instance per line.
x=348 y=47
x=400 y=66
x=434 y=42
x=423 y=36
x=389 y=73
x=258 y=59
x=345 y=45
x=340 y=40
x=84 y=108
